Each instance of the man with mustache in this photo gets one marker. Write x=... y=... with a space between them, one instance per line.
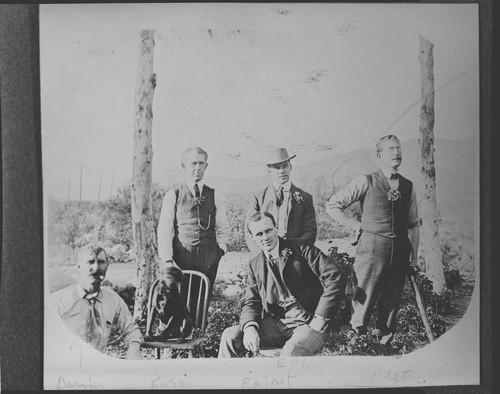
x=292 y=295
x=90 y=310
x=193 y=230
x=388 y=238
x=292 y=207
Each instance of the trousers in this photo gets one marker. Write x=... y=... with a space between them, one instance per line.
x=296 y=340
x=380 y=270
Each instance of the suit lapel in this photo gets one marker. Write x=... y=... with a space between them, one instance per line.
x=293 y=189
x=261 y=270
x=270 y=201
x=385 y=182
x=282 y=260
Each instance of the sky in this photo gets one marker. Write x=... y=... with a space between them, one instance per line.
x=236 y=79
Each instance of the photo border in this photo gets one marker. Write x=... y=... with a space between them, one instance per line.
x=21 y=297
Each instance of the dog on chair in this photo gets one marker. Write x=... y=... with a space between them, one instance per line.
x=169 y=307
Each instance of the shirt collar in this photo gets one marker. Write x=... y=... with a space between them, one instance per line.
x=286 y=186
x=388 y=172
x=190 y=186
x=83 y=293
x=275 y=253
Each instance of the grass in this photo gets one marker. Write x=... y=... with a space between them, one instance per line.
x=443 y=312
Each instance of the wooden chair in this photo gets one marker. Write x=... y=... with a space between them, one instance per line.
x=200 y=296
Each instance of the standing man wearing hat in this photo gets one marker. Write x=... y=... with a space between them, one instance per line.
x=388 y=238
x=90 y=311
x=291 y=206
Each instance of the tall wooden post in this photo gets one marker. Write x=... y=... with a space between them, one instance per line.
x=429 y=231
x=69 y=183
x=99 y=192
x=111 y=188
x=81 y=178
x=142 y=223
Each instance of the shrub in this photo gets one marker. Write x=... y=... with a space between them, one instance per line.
x=224 y=312
x=236 y=205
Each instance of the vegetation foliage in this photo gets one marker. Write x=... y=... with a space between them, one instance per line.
x=73 y=224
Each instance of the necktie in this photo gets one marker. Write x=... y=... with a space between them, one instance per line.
x=94 y=326
x=196 y=191
x=280 y=196
x=273 y=264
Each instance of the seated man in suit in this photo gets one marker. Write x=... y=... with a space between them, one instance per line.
x=90 y=310
x=291 y=206
x=293 y=292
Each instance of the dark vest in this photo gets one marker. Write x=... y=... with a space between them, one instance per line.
x=381 y=216
x=195 y=224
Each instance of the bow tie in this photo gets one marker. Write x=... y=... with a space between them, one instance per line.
x=91 y=297
x=394 y=176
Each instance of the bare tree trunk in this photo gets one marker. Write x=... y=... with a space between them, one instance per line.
x=142 y=222
x=430 y=248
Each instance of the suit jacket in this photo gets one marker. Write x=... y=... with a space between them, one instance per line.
x=316 y=282
x=301 y=214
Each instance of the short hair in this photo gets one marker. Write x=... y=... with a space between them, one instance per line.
x=257 y=217
x=195 y=149
x=380 y=142
x=90 y=249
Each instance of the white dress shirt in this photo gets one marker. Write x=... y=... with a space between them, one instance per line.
x=284 y=209
x=357 y=188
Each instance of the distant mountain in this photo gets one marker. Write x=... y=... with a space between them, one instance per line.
x=456 y=170
x=455 y=160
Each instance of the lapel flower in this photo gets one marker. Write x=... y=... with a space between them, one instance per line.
x=298 y=197
x=286 y=253
x=198 y=201
x=393 y=195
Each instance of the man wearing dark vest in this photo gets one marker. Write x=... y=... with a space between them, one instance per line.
x=388 y=238
x=192 y=231
x=292 y=207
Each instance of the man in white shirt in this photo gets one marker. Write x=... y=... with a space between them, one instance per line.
x=91 y=311
x=192 y=231
x=388 y=238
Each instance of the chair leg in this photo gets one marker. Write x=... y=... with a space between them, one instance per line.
x=201 y=351
x=190 y=353
x=157 y=353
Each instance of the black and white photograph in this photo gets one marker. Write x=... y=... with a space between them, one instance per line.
x=294 y=186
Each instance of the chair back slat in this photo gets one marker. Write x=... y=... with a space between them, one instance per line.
x=200 y=314
x=201 y=311
x=190 y=286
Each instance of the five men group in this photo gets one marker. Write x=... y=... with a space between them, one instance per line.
x=293 y=289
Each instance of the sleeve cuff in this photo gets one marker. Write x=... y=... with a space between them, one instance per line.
x=251 y=324
x=416 y=223
x=319 y=323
